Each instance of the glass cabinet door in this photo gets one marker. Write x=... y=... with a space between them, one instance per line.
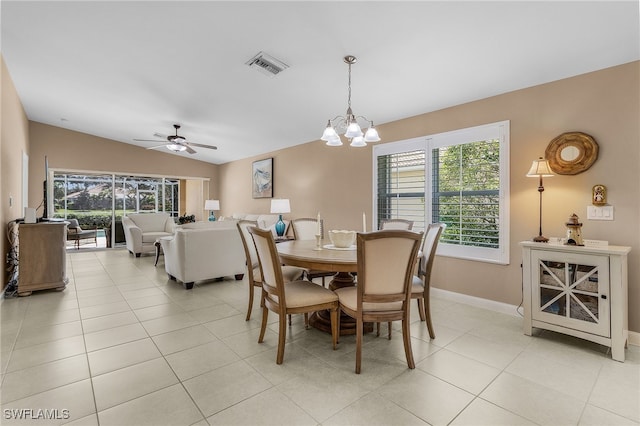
x=571 y=290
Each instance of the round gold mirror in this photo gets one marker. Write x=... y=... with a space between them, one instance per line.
x=571 y=153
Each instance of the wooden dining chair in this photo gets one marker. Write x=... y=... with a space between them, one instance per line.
x=397 y=224
x=296 y=297
x=305 y=228
x=386 y=260
x=289 y=273
x=420 y=288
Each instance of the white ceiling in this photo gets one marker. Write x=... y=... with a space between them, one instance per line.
x=125 y=70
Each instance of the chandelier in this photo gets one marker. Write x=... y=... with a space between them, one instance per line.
x=348 y=124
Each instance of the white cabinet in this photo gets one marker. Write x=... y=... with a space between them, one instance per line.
x=580 y=291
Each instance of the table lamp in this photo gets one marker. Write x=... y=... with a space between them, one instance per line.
x=280 y=206
x=212 y=205
x=540 y=168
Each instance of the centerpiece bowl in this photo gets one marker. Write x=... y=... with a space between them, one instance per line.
x=342 y=238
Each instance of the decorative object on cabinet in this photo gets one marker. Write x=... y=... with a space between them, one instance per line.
x=212 y=205
x=540 y=168
x=262 y=178
x=571 y=153
x=348 y=124
x=579 y=291
x=574 y=233
x=599 y=195
x=280 y=206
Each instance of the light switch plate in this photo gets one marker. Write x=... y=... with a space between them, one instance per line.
x=600 y=212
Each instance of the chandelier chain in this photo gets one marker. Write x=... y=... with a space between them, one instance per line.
x=349 y=100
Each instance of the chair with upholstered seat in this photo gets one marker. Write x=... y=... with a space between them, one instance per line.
x=305 y=228
x=296 y=297
x=386 y=260
x=75 y=233
x=397 y=224
x=289 y=273
x=420 y=288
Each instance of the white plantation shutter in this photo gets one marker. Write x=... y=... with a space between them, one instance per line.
x=460 y=178
x=401 y=180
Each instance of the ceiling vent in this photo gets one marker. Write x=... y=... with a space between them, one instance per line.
x=266 y=64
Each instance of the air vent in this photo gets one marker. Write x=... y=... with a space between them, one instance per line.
x=266 y=64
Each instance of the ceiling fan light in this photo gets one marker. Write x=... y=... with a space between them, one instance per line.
x=176 y=147
x=371 y=135
x=353 y=130
x=358 y=142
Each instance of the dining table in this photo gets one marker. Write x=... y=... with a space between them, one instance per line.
x=324 y=257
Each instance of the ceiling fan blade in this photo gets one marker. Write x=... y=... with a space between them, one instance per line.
x=189 y=149
x=157 y=146
x=199 y=145
x=149 y=140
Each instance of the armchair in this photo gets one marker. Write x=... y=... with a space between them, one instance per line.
x=141 y=230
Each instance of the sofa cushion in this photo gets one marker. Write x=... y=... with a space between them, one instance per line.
x=210 y=225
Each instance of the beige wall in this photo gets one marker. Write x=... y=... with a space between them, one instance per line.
x=604 y=104
x=14 y=140
x=337 y=181
x=71 y=150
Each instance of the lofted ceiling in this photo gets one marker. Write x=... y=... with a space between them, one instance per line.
x=124 y=70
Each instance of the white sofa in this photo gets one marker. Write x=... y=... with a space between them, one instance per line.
x=203 y=251
x=265 y=221
x=141 y=230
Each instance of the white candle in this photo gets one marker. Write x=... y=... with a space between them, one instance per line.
x=319 y=231
x=364 y=222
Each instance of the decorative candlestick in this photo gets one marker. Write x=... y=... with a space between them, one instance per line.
x=364 y=222
x=318 y=242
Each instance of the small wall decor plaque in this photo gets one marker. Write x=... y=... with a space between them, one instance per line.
x=599 y=195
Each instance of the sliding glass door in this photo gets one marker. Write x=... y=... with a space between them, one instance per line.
x=99 y=201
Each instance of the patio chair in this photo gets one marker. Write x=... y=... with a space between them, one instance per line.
x=75 y=233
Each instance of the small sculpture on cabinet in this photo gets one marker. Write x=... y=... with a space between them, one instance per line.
x=574 y=234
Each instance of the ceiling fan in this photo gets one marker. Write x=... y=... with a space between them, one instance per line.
x=176 y=143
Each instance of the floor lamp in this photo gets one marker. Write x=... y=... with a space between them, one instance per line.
x=540 y=168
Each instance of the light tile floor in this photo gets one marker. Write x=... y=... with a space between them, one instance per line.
x=123 y=345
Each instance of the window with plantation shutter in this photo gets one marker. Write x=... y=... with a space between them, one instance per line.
x=401 y=181
x=460 y=178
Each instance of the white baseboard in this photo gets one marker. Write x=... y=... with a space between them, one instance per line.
x=504 y=308
x=491 y=305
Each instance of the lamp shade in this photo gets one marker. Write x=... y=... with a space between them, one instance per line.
x=280 y=205
x=540 y=168
x=212 y=205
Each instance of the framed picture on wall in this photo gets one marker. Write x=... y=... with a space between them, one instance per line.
x=262 y=178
